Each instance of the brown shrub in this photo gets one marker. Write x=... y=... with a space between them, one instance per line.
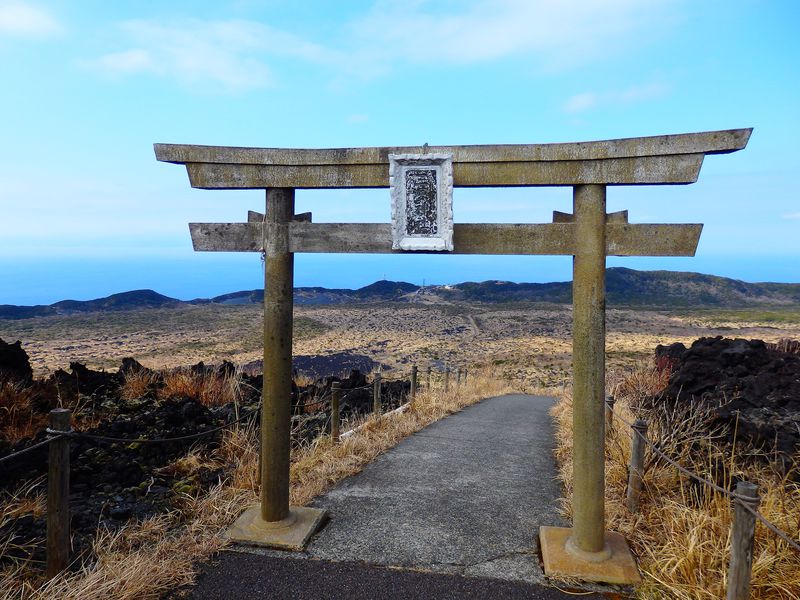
x=137 y=383
x=209 y=389
x=681 y=533
x=18 y=420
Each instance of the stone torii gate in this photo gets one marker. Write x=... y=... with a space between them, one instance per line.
x=588 y=234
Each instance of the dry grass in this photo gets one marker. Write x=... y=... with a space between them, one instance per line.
x=18 y=420
x=147 y=559
x=206 y=387
x=209 y=389
x=681 y=534
x=137 y=384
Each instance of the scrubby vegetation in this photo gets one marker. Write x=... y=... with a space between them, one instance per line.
x=142 y=558
x=681 y=535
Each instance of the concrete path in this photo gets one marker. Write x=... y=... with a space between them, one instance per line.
x=464 y=497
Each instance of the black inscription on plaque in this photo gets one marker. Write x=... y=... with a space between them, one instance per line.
x=421 y=191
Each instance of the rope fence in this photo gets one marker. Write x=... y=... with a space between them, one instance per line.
x=745 y=501
x=19 y=453
x=140 y=440
x=59 y=433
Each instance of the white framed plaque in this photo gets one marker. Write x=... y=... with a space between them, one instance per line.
x=422 y=201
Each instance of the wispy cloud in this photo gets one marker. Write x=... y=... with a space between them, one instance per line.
x=231 y=54
x=20 y=19
x=581 y=102
x=795 y=216
x=357 y=118
x=554 y=33
x=239 y=55
x=630 y=95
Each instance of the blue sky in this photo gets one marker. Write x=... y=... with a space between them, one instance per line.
x=89 y=86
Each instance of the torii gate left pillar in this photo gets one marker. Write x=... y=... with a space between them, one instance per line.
x=586 y=550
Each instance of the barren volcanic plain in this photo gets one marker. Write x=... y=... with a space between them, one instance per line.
x=532 y=341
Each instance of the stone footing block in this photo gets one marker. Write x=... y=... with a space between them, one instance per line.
x=616 y=566
x=292 y=533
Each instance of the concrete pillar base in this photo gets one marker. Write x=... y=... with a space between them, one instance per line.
x=614 y=564
x=292 y=533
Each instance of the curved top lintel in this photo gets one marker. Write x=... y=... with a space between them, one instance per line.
x=707 y=142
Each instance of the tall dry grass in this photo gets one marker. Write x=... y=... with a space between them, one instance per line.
x=146 y=559
x=137 y=383
x=681 y=535
x=18 y=419
x=207 y=388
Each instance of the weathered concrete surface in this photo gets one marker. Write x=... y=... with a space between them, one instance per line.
x=622 y=239
x=707 y=142
x=588 y=367
x=644 y=160
x=466 y=495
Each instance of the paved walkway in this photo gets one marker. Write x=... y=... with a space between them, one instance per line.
x=463 y=497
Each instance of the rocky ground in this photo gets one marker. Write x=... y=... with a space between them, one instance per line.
x=115 y=481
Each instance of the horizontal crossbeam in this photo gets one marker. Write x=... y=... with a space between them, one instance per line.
x=667 y=159
x=622 y=239
x=675 y=169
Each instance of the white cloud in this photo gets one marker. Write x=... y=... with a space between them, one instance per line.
x=25 y=20
x=792 y=216
x=549 y=34
x=357 y=118
x=129 y=61
x=556 y=34
x=581 y=102
x=631 y=95
x=230 y=54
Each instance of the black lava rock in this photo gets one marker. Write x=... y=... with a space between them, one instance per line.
x=757 y=386
x=15 y=363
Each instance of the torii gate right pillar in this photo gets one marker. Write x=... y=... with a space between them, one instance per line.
x=587 y=550
x=588 y=366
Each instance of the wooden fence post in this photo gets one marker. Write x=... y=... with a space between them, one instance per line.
x=376 y=395
x=465 y=376
x=446 y=378
x=458 y=377
x=336 y=396
x=428 y=386
x=742 y=533
x=58 y=534
x=636 y=471
x=413 y=382
x=609 y=414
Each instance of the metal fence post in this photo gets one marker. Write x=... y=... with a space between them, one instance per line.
x=428 y=386
x=376 y=395
x=336 y=396
x=413 y=382
x=636 y=471
x=58 y=534
x=458 y=377
x=609 y=414
x=465 y=376
x=446 y=378
x=742 y=533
